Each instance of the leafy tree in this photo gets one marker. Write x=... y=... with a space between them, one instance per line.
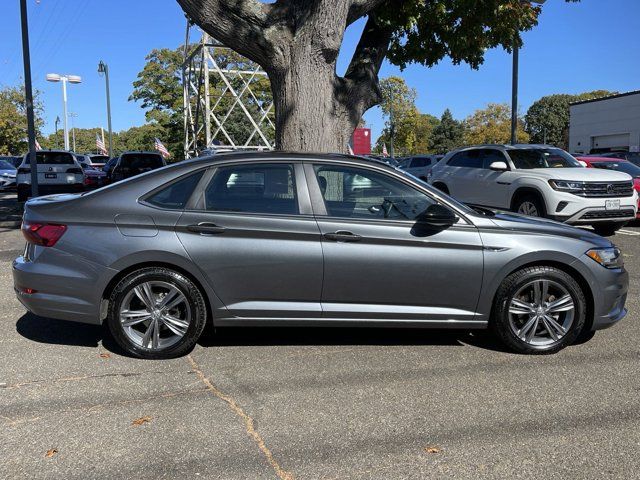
x=13 y=120
x=547 y=120
x=447 y=135
x=297 y=42
x=492 y=125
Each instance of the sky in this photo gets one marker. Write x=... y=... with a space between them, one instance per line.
x=577 y=47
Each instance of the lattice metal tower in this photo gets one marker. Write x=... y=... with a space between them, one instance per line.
x=226 y=104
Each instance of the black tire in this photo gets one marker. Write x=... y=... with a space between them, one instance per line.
x=23 y=194
x=500 y=321
x=442 y=187
x=607 y=229
x=194 y=300
x=530 y=199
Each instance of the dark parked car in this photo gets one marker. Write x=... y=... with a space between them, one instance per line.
x=15 y=161
x=633 y=157
x=130 y=164
x=298 y=239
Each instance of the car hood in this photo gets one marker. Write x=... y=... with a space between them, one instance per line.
x=9 y=172
x=541 y=226
x=580 y=174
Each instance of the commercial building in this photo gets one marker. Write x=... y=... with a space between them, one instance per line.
x=605 y=124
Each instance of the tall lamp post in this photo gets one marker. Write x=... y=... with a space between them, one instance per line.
x=54 y=77
x=514 y=81
x=103 y=69
x=28 y=93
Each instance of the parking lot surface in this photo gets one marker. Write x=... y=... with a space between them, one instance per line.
x=316 y=403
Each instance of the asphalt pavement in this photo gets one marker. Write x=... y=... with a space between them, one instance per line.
x=316 y=403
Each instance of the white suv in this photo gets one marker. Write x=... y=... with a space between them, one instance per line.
x=58 y=172
x=538 y=180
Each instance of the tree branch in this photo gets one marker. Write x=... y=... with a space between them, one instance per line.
x=361 y=79
x=360 y=8
x=237 y=23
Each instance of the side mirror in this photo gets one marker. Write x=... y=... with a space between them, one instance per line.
x=499 y=166
x=438 y=215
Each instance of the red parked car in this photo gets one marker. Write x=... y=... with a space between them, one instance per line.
x=617 y=164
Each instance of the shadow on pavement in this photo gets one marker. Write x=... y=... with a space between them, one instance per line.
x=62 y=332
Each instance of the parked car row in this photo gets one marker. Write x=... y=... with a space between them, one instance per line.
x=537 y=180
x=61 y=171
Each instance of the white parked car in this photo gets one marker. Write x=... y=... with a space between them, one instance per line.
x=419 y=165
x=540 y=181
x=58 y=172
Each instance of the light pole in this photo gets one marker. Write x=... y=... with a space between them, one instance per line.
x=514 y=80
x=56 y=122
x=28 y=93
x=73 y=129
x=54 y=77
x=103 y=68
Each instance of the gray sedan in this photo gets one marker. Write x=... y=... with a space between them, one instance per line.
x=297 y=239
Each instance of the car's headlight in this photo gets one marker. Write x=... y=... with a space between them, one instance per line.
x=566 y=185
x=610 y=257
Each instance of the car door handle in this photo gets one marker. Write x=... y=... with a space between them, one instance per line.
x=343 y=236
x=206 y=228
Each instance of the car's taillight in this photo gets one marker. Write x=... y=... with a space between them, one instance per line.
x=74 y=170
x=24 y=170
x=43 y=234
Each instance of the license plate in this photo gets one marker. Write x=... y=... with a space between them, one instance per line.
x=612 y=205
x=50 y=175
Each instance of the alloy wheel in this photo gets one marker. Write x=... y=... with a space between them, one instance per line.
x=155 y=315
x=541 y=312
x=528 y=208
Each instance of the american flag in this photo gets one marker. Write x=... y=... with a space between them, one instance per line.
x=100 y=145
x=159 y=146
x=38 y=147
x=384 y=150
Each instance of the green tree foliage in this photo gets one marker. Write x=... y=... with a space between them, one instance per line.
x=548 y=118
x=447 y=135
x=158 y=88
x=13 y=120
x=412 y=128
x=492 y=125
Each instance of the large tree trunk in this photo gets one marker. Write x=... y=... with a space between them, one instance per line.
x=297 y=43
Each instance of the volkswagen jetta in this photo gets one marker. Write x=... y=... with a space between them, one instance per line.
x=298 y=239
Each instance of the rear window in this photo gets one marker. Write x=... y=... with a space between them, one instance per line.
x=54 y=158
x=141 y=160
x=176 y=195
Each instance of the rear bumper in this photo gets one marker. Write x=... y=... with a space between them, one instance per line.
x=67 y=287
x=44 y=189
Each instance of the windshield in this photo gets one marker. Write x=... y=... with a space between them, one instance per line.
x=4 y=165
x=626 y=167
x=528 y=158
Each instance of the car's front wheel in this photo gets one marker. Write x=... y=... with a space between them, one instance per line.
x=539 y=309
x=156 y=313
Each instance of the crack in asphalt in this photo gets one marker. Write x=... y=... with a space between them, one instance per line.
x=249 y=422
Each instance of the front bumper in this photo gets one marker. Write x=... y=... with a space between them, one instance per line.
x=576 y=210
x=609 y=288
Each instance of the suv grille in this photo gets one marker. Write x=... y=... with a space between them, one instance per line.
x=613 y=189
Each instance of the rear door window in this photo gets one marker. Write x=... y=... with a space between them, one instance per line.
x=419 y=162
x=257 y=188
x=141 y=161
x=467 y=159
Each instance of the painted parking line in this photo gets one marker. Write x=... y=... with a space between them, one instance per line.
x=628 y=232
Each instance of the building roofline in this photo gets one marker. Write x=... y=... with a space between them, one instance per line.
x=609 y=97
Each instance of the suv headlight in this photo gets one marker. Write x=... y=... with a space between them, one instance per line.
x=566 y=185
x=610 y=257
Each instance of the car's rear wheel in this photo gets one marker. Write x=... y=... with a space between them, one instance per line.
x=606 y=229
x=156 y=313
x=539 y=310
x=442 y=187
x=530 y=205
